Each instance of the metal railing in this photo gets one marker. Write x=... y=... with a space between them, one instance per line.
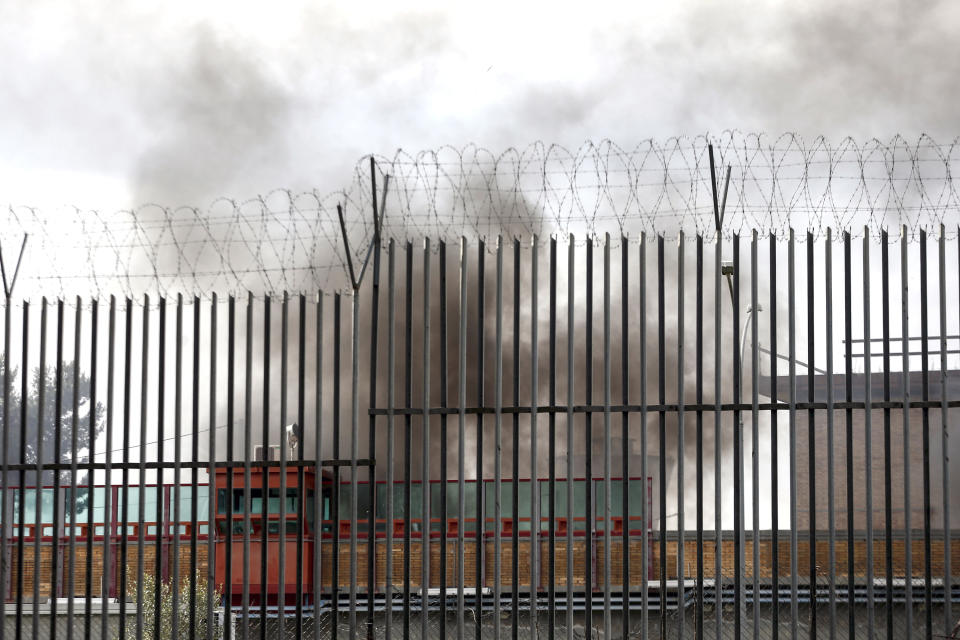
x=780 y=504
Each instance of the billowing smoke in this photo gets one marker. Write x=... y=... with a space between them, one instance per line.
x=481 y=372
x=217 y=114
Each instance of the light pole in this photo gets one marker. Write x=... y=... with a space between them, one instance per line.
x=727 y=269
x=743 y=337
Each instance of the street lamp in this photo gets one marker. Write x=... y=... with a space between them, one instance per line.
x=743 y=336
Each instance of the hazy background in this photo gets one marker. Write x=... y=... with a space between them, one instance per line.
x=110 y=105
x=107 y=106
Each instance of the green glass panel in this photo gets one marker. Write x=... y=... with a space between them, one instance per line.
x=273 y=501
x=470 y=492
x=185 y=500
x=616 y=498
x=638 y=493
x=381 y=501
x=310 y=510
x=344 y=507
x=579 y=503
x=256 y=500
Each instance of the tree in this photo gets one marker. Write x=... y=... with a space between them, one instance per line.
x=47 y=378
x=148 y=591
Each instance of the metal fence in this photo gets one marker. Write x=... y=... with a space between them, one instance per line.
x=540 y=439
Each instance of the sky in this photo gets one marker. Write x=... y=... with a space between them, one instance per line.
x=109 y=105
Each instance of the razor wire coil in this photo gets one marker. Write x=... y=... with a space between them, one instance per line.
x=290 y=241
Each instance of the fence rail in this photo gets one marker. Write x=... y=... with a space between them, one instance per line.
x=378 y=470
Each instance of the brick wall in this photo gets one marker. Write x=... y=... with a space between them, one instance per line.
x=42 y=572
x=470 y=562
x=898 y=470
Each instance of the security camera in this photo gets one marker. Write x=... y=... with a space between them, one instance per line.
x=293 y=438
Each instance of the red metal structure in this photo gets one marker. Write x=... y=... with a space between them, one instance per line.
x=282 y=529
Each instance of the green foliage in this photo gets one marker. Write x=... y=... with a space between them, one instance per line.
x=45 y=446
x=149 y=589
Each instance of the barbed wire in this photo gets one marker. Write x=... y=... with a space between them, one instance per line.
x=287 y=241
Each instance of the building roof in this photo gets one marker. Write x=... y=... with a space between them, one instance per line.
x=858 y=382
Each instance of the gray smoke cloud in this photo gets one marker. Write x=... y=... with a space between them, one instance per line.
x=181 y=107
x=182 y=110
x=483 y=370
x=218 y=115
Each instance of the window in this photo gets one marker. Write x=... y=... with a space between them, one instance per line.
x=579 y=503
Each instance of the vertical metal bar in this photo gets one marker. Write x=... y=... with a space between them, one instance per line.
x=211 y=475
x=301 y=473
x=425 y=526
x=142 y=467
x=607 y=496
x=4 y=488
x=534 y=482
x=282 y=526
x=461 y=426
x=681 y=437
x=755 y=432
x=108 y=511
x=372 y=430
x=481 y=379
x=944 y=436
x=644 y=510
x=335 y=489
x=699 y=400
x=391 y=437
x=407 y=432
x=177 y=418
x=21 y=507
x=391 y=372
x=38 y=501
x=124 y=474
x=868 y=429
x=372 y=425
x=5 y=553
x=194 y=458
x=74 y=446
x=887 y=453
x=662 y=436
x=589 y=507
x=925 y=368
x=717 y=433
x=444 y=402
x=91 y=458
x=265 y=469
x=811 y=439
x=571 y=279
x=774 y=453
x=905 y=397
x=792 y=341
x=497 y=444
x=318 y=475
x=848 y=420
x=231 y=378
x=552 y=455
x=247 y=459
x=354 y=453
x=515 y=489
x=737 y=447
x=625 y=425
x=162 y=523
x=55 y=575
x=831 y=486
